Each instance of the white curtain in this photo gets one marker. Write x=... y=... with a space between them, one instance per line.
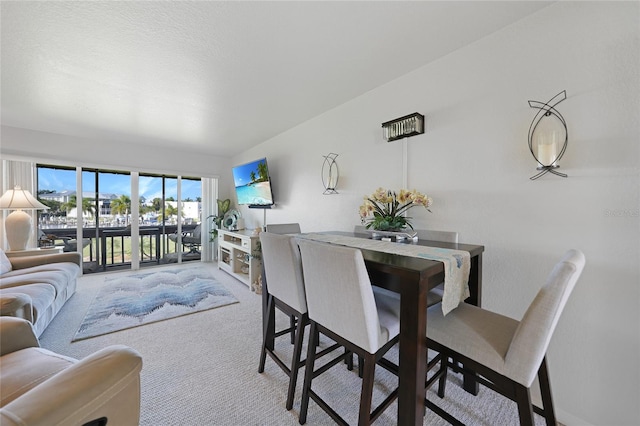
x=209 y=207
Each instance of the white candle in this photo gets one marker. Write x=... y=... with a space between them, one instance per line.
x=548 y=148
x=547 y=154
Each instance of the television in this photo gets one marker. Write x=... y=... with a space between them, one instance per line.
x=253 y=184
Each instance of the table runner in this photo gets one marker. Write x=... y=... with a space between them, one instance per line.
x=457 y=263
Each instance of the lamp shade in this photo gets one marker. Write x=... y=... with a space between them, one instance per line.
x=20 y=199
x=18 y=224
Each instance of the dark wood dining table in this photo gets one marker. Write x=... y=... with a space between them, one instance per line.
x=413 y=278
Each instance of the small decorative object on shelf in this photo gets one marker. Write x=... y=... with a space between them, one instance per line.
x=384 y=209
x=403 y=127
x=548 y=135
x=330 y=174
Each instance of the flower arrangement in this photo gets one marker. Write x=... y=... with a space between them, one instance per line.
x=383 y=210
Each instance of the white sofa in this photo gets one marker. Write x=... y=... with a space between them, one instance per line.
x=36 y=287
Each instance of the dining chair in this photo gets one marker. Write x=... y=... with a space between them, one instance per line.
x=283 y=228
x=286 y=228
x=343 y=307
x=435 y=294
x=506 y=353
x=433 y=235
x=283 y=269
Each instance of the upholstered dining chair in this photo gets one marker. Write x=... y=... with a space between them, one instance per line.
x=283 y=270
x=506 y=353
x=343 y=307
x=283 y=228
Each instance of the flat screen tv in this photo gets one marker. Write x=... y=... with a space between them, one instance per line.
x=253 y=185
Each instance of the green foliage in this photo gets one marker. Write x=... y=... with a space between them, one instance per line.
x=223 y=208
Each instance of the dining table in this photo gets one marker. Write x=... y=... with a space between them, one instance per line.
x=412 y=278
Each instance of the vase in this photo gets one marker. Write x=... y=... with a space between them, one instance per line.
x=399 y=235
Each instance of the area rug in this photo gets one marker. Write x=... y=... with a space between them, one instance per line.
x=142 y=298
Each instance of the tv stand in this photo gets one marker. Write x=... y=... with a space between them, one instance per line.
x=235 y=255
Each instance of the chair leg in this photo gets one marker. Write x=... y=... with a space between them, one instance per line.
x=364 y=417
x=525 y=409
x=545 y=391
x=292 y=325
x=348 y=359
x=442 y=381
x=266 y=335
x=295 y=363
x=308 y=372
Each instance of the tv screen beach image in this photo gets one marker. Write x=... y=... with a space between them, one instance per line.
x=252 y=183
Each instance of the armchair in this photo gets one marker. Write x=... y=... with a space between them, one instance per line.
x=40 y=387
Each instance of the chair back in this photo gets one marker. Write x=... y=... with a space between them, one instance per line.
x=339 y=293
x=197 y=231
x=283 y=228
x=283 y=269
x=359 y=229
x=531 y=339
x=443 y=236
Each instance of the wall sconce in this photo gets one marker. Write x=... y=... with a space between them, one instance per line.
x=330 y=174
x=403 y=127
x=18 y=224
x=548 y=135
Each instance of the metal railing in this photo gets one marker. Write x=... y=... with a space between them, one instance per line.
x=108 y=248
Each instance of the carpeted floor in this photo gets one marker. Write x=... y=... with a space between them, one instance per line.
x=201 y=369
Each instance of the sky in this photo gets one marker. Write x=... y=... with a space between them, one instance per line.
x=242 y=173
x=149 y=187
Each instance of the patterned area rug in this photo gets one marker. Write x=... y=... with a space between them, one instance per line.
x=143 y=298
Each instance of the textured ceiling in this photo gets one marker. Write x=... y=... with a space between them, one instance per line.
x=216 y=77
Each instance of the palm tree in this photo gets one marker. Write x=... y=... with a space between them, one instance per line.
x=88 y=205
x=262 y=171
x=121 y=205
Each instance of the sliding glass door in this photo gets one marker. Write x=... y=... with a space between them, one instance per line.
x=165 y=228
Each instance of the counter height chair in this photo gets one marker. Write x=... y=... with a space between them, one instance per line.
x=343 y=307
x=435 y=294
x=506 y=353
x=283 y=271
x=283 y=228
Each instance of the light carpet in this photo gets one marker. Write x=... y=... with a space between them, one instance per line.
x=202 y=369
x=142 y=298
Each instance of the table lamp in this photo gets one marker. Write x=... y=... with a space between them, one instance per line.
x=18 y=224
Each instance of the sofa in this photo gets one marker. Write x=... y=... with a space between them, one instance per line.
x=36 y=287
x=42 y=388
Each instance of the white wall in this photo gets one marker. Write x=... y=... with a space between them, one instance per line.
x=474 y=161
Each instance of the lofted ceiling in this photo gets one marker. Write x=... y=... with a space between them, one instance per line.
x=216 y=77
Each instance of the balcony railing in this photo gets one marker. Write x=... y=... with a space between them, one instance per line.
x=111 y=248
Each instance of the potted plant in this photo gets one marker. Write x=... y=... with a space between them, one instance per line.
x=384 y=209
x=223 y=208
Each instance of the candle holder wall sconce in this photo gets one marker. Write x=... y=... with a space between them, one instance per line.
x=330 y=174
x=403 y=127
x=548 y=135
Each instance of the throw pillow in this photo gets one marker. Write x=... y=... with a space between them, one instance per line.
x=5 y=264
